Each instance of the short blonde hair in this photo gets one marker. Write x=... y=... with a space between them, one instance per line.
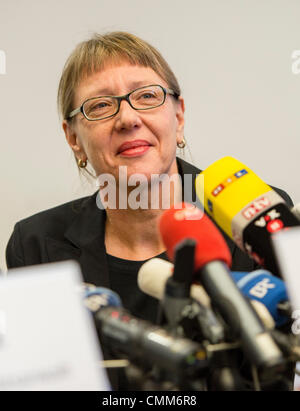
x=92 y=55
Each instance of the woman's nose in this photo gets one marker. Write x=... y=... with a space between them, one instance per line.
x=127 y=117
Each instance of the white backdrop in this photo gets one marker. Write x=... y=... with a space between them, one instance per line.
x=236 y=61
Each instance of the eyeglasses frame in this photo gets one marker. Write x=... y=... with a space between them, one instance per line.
x=120 y=99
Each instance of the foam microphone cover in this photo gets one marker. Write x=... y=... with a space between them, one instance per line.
x=101 y=297
x=185 y=221
x=261 y=285
x=153 y=276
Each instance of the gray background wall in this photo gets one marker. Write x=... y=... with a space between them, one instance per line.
x=233 y=59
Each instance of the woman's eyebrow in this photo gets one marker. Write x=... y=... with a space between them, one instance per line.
x=107 y=91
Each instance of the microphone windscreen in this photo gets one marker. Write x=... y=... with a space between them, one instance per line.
x=229 y=187
x=101 y=297
x=262 y=286
x=152 y=278
x=186 y=221
x=153 y=275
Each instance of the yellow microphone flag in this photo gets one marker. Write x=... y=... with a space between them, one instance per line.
x=229 y=186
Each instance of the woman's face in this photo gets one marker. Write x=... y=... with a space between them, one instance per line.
x=154 y=132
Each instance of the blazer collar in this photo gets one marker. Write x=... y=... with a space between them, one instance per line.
x=88 y=225
x=87 y=233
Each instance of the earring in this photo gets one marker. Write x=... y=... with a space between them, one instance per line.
x=81 y=163
x=181 y=144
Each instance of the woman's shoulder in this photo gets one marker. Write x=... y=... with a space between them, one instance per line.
x=63 y=213
x=28 y=242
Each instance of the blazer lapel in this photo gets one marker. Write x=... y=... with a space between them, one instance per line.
x=85 y=244
x=60 y=250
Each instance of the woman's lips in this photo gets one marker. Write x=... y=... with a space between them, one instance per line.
x=133 y=148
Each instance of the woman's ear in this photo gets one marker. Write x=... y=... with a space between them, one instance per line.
x=73 y=140
x=180 y=108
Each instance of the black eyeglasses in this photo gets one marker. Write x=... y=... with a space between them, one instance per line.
x=143 y=98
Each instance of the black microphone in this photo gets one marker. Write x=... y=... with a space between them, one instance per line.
x=186 y=309
x=141 y=342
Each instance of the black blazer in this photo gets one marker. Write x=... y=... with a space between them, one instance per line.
x=75 y=230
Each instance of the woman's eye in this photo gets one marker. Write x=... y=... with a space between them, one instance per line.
x=147 y=95
x=100 y=105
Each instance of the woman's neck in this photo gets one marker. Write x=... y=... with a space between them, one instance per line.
x=134 y=233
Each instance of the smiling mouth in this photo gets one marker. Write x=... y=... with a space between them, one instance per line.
x=134 y=148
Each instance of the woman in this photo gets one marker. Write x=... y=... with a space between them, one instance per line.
x=122 y=109
x=140 y=136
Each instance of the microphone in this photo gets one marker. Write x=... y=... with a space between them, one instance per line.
x=176 y=297
x=182 y=312
x=153 y=275
x=152 y=278
x=100 y=297
x=262 y=286
x=141 y=342
x=246 y=208
x=212 y=258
